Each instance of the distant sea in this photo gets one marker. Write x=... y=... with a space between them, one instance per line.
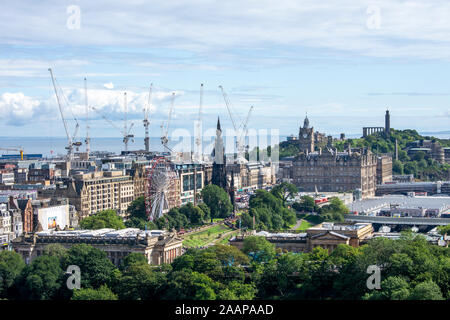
x=52 y=146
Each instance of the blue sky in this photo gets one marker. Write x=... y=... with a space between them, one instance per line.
x=342 y=62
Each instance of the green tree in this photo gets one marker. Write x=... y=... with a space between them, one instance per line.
x=96 y=269
x=392 y=288
x=419 y=156
x=444 y=229
x=229 y=255
x=56 y=250
x=136 y=209
x=137 y=216
x=11 y=265
x=284 y=191
x=42 y=279
x=397 y=167
x=217 y=200
x=133 y=258
x=140 y=282
x=185 y=285
x=427 y=290
x=103 y=219
x=307 y=204
x=259 y=248
x=334 y=211
x=411 y=168
x=281 y=276
x=206 y=211
x=102 y=293
x=269 y=212
x=194 y=214
x=237 y=291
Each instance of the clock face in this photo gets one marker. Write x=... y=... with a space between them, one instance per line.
x=305 y=135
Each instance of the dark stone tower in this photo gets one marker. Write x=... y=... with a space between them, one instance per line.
x=387 y=124
x=219 y=177
x=306 y=137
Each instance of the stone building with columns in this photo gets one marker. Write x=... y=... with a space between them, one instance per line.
x=156 y=245
x=327 y=235
x=386 y=129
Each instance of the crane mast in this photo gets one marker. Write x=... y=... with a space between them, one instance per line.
x=245 y=128
x=241 y=131
x=198 y=138
x=125 y=129
x=228 y=104
x=126 y=132
x=126 y=135
x=69 y=138
x=87 y=140
x=146 y=121
x=236 y=129
x=165 y=131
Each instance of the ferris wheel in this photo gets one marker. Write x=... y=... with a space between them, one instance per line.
x=160 y=181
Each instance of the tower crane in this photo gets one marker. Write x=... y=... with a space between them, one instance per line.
x=165 y=130
x=87 y=141
x=240 y=131
x=198 y=138
x=146 y=121
x=126 y=134
x=245 y=126
x=70 y=140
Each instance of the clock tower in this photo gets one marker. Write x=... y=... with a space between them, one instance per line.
x=306 y=137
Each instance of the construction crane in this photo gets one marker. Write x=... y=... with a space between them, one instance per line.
x=20 y=149
x=126 y=135
x=70 y=140
x=165 y=130
x=198 y=138
x=146 y=121
x=245 y=126
x=240 y=131
x=87 y=141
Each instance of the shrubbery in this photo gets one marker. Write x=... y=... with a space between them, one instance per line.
x=412 y=268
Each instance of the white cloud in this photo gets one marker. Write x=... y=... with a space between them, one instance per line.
x=109 y=85
x=18 y=109
x=414 y=28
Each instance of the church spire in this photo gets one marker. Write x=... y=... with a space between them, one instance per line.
x=218 y=124
x=306 y=122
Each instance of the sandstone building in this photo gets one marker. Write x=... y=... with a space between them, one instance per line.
x=327 y=170
x=157 y=246
x=326 y=235
x=94 y=192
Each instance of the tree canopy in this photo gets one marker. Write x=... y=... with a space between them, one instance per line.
x=411 y=269
x=217 y=200
x=103 y=219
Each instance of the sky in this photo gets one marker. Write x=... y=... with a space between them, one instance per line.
x=343 y=63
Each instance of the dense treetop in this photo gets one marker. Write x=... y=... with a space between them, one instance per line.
x=411 y=268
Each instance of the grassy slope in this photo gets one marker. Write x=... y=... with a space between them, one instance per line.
x=204 y=237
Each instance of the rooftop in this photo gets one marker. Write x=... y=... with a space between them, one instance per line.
x=104 y=233
x=377 y=203
x=339 y=226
